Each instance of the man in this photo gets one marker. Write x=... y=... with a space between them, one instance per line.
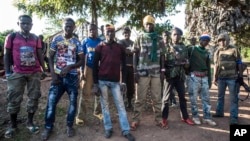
x=165 y=41
x=88 y=44
x=44 y=49
x=200 y=80
x=109 y=60
x=129 y=76
x=227 y=70
x=23 y=60
x=147 y=71
x=175 y=61
x=65 y=56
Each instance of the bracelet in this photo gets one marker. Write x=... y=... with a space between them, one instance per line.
x=163 y=70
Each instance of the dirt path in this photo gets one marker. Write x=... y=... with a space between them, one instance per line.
x=93 y=128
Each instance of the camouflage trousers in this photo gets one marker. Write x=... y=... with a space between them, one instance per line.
x=16 y=87
x=144 y=85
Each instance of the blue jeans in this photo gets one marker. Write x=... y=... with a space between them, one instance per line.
x=222 y=84
x=68 y=84
x=118 y=99
x=199 y=86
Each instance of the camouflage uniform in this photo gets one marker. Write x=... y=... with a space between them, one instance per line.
x=149 y=72
x=175 y=61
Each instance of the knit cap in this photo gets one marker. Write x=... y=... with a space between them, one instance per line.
x=205 y=36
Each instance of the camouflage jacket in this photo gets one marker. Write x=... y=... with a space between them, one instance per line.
x=176 y=58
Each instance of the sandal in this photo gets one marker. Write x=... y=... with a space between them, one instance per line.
x=9 y=133
x=33 y=129
x=134 y=126
x=163 y=124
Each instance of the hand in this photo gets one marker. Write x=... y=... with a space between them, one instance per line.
x=123 y=88
x=55 y=80
x=96 y=90
x=43 y=76
x=136 y=77
x=64 y=71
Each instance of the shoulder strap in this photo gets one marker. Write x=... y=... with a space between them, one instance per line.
x=12 y=37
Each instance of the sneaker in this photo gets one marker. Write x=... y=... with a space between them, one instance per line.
x=217 y=116
x=209 y=122
x=108 y=133
x=45 y=134
x=130 y=137
x=33 y=129
x=10 y=132
x=188 y=121
x=196 y=120
x=70 y=131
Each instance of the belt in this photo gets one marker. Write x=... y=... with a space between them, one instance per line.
x=129 y=65
x=199 y=74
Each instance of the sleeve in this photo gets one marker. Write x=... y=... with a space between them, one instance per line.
x=96 y=60
x=136 y=48
x=79 y=47
x=7 y=43
x=53 y=45
x=84 y=47
x=237 y=55
x=39 y=43
x=216 y=53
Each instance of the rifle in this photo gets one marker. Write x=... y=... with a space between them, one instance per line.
x=246 y=86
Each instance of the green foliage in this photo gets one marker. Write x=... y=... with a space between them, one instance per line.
x=166 y=26
x=3 y=35
x=106 y=9
x=245 y=53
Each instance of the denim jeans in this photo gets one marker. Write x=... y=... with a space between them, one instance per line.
x=222 y=84
x=68 y=84
x=118 y=99
x=199 y=86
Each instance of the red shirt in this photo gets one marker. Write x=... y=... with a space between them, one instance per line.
x=24 y=52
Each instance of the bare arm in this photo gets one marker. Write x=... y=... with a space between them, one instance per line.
x=41 y=58
x=7 y=58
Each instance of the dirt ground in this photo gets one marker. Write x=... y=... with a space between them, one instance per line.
x=93 y=129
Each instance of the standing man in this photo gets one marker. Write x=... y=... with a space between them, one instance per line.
x=200 y=80
x=88 y=44
x=129 y=75
x=109 y=60
x=166 y=41
x=44 y=50
x=147 y=71
x=175 y=61
x=227 y=70
x=65 y=56
x=22 y=63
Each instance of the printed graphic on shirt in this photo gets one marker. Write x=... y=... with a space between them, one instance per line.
x=66 y=55
x=27 y=56
x=90 y=54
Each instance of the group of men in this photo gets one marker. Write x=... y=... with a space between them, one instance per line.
x=109 y=68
